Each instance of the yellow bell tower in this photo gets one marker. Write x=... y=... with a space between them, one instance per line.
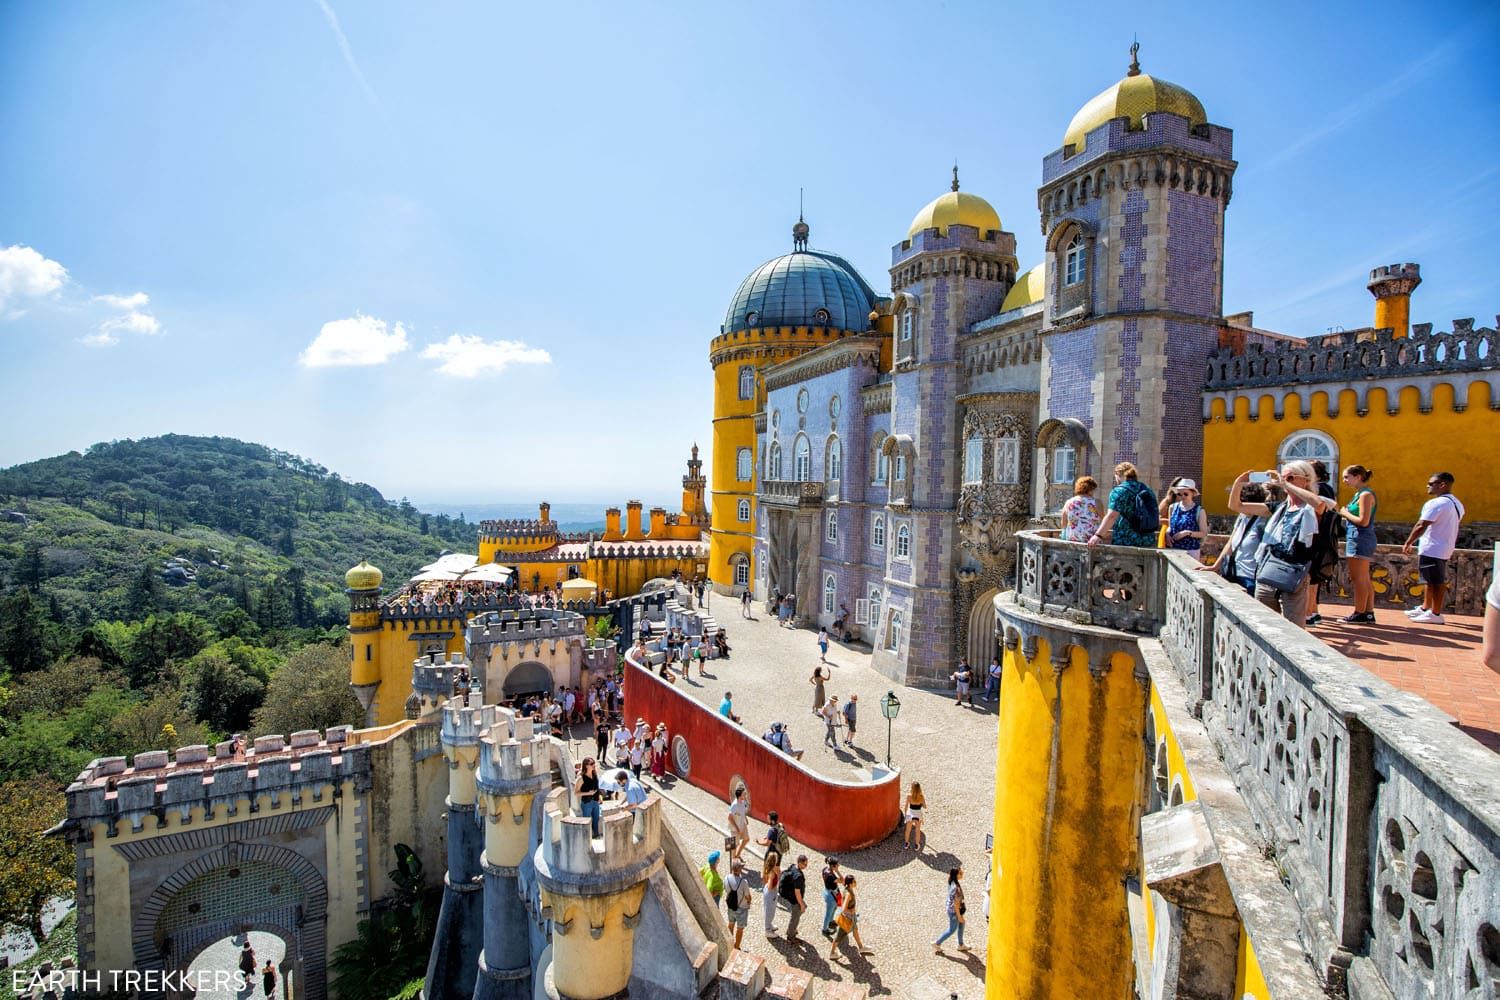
x=786 y=307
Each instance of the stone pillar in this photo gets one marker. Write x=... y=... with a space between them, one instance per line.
x=514 y=768
x=1392 y=285
x=594 y=896
x=455 y=946
x=1196 y=951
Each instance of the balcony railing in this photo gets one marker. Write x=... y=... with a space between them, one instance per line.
x=790 y=492
x=1382 y=817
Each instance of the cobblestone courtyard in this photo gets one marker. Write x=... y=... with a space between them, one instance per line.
x=950 y=750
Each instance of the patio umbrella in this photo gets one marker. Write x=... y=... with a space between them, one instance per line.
x=453 y=562
x=488 y=573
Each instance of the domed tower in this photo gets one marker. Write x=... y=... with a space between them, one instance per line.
x=362 y=584
x=783 y=308
x=1132 y=208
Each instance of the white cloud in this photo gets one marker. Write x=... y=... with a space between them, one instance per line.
x=470 y=356
x=26 y=274
x=357 y=341
x=131 y=317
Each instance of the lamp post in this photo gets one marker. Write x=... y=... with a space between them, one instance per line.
x=890 y=707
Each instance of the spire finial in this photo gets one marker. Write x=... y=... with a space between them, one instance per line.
x=1135 y=60
x=955 y=175
x=801 y=230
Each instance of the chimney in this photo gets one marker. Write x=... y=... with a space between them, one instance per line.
x=546 y=509
x=633 y=520
x=612 y=524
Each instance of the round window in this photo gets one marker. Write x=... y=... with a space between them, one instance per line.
x=833 y=407
x=802 y=401
x=751 y=317
x=775 y=418
x=821 y=317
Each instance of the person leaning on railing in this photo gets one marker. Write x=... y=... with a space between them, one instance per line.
x=1286 y=551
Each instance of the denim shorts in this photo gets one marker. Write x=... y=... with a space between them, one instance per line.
x=1359 y=543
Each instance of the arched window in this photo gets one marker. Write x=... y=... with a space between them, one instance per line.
x=903 y=542
x=747 y=381
x=830 y=593
x=893 y=633
x=882 y=464
x=875 y=598
x=742 y=465
x=1075 y=260
x=1309 y=446
x=1008 y=460
x=773 y=461
x=831 y=529
x=877 y=531
x=834 y=463
x=1064 y=464
x=803 y=460
x=744 y=511
x=973 y=459
x=739 y=564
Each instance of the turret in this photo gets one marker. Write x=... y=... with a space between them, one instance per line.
x=545 y=512
x=693 y=506
x=593 y=891
x=362 y=584
x=454 y=962
x=514 y=771
x=1392 y=285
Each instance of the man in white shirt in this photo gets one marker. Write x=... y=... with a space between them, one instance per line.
x=1435 y=535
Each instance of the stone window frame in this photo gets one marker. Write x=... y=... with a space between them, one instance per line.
x=744 y=465
x=830 y=593
x=877 y=532
x=881 y=476
x=901 y=551
x=802 y=459
x=907 y=310
x=833 y=459
x=739 y=569
x=1054 y=435
x=876 y=598
x=895 y=623
x=1075 y=260
x=1071 y=300
x=747 y=381
x=743 y=511
x=1058 y=476
x=831 y=526
x=773 y=461
x=803 y=397
x=1331 y=459
x=973 y=459
x=1013 y=465
x=903 y=451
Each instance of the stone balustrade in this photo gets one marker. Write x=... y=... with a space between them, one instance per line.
x=790 y=492
x=1383 y=819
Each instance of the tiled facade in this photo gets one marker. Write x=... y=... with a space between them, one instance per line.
x=1106 y=368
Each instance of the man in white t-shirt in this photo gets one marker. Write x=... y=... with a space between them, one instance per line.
x=1435 y=535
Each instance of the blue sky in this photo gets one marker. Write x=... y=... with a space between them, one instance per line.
x=210 y=209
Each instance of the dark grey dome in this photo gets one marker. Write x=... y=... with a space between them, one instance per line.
x=805 y=288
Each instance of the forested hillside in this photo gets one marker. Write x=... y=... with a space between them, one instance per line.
x=166 y=592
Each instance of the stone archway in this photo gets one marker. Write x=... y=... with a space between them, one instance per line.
x=982 y=641
x=237 y=887
x=530 y=677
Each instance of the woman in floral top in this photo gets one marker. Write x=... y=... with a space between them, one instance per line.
x=1080 y=515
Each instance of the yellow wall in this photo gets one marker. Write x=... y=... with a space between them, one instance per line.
x=1068 y=769
x=1403 y=450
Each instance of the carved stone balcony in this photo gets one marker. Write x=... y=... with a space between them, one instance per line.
x=1107 y=585
x=790 y=493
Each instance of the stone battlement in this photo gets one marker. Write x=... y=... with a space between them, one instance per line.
x=465 y=726
x=1357 y=355
x=512 y=753
x=155 y=782
x=631 y=844
x=500 y=626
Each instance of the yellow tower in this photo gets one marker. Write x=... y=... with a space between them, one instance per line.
x=362 y=584
x=1392 y=286
x=784 y=308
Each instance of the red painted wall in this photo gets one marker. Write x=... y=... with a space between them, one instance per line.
x=825 y=814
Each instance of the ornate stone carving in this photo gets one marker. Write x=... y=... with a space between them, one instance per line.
x=1357 y=355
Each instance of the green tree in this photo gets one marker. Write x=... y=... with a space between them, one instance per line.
x=221 y=694
x=28 y=640
x=310 y=691
x=145 y=594
x=31 y=570
x=60 y=687
x=162 y=640
x=34 y=868
x=391 y=949
x=159 y=722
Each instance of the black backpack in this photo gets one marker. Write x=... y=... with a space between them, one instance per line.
x=787 y=889
x=732 y=899
x=1143 y=515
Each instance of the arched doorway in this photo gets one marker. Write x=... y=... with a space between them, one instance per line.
x=214 y=971
x=982 y=644
x=233 y=890
x=526 y=678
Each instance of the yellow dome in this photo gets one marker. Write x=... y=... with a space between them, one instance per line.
x=1133 y=97
x=956 y=208
x=363 y=577
x=1029 y=287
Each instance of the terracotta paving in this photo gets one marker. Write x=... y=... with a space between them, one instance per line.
x=1439 y=662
